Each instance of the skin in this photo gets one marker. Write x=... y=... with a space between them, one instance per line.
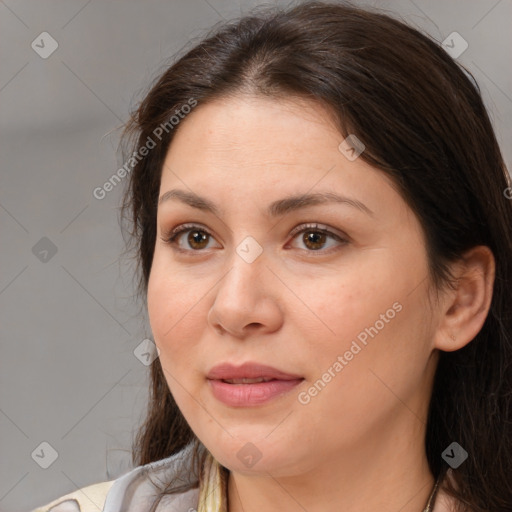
x=358 y=444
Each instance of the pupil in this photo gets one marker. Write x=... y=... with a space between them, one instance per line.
x=197 y=237
x=317 y=239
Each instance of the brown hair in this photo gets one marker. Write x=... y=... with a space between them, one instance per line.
x=424 y=124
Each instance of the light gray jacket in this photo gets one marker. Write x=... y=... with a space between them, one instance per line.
x=134 y=491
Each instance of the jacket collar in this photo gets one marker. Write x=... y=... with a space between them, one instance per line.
x=136 y=490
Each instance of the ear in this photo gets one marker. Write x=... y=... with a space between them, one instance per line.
x=465 y=308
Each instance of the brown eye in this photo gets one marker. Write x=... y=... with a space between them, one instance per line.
x=314 y=239
x=196 y=240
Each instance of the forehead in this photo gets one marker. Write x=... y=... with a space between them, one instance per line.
x=238 y=127
x=251 y=148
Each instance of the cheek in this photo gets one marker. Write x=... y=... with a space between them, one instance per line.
x=161 y=307
x=164 y=312
x=384 y=356
x=372 y=320
x=338 y=310
x=165 y=309
x=177 y=319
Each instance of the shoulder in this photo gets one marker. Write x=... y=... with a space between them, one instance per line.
x=136 y=490
x=87 y=499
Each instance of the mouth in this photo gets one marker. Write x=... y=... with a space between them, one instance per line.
x=248 y=371
x=248 y=381
x=249 y=385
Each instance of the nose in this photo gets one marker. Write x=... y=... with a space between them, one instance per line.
x=246 y=300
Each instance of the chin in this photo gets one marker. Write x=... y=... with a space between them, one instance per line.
x=258 y=457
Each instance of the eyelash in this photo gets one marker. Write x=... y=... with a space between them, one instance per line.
x=171 y=236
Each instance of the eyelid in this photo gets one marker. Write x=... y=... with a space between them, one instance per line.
x=169 y=236
x=320 y=227
x=185 y=227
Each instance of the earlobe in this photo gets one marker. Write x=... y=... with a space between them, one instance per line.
x=465 y=309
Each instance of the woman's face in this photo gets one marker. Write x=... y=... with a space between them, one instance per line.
x=259 y=281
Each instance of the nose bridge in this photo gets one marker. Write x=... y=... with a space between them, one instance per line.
x=249 y=250
x=243 y=297
x=247 y=266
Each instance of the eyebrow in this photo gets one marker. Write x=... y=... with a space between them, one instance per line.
x=275 y=209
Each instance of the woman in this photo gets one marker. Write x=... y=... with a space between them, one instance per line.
x=320 y=211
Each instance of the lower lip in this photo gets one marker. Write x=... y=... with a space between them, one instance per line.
x=246 y=395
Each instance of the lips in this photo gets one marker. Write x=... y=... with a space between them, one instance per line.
x=251 y=384
x=249 y=370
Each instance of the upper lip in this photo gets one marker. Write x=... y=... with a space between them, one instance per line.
x=249 y=370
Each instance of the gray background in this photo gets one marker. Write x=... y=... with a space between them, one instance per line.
x=69 y=322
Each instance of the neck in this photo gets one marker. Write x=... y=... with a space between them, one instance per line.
x=384 y=472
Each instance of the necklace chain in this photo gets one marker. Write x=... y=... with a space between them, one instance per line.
x=431 y=498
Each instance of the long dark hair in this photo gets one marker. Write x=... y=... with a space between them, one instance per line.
x=423 y=121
